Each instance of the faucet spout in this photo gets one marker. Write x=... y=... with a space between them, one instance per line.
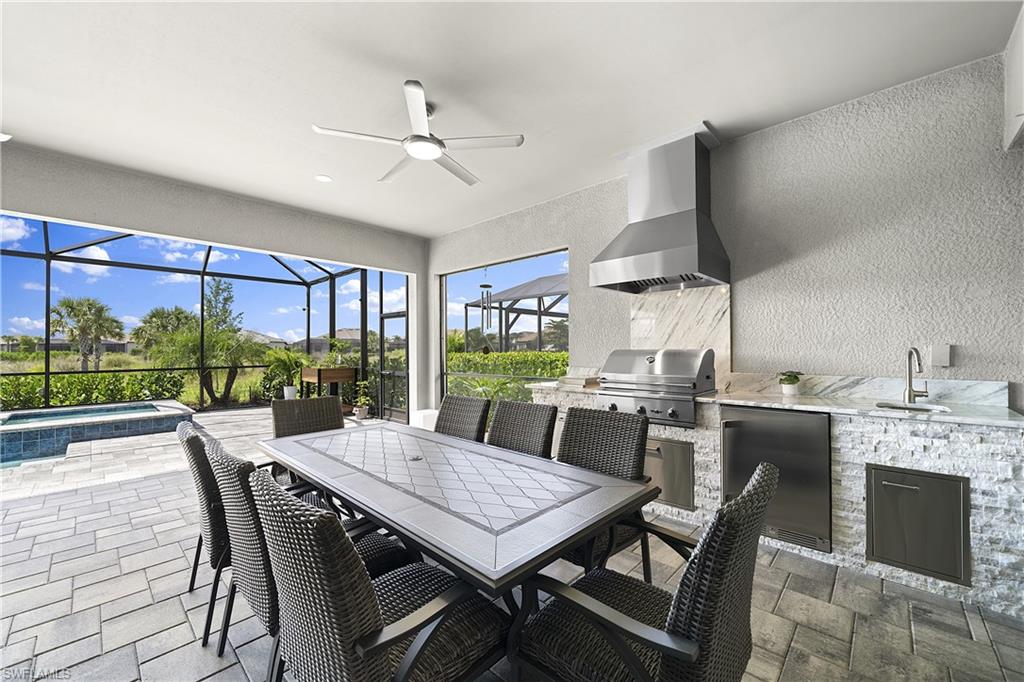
x=911 y=394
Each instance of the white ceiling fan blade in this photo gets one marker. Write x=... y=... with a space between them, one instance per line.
x=456 y=169
x=487 y=142
x=396 y=169
x=355 y=136
x=416 y=103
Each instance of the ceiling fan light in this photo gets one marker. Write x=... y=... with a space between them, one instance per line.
x=423 y=149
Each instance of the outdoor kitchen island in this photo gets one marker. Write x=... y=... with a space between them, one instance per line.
x=980 y=442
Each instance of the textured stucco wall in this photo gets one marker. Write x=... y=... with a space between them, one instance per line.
x=584 y=222
x=54 y=185
x=884 y=222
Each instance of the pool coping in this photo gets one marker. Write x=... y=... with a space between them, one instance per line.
x=165 y=408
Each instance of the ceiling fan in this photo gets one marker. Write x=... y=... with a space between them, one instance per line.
x=422 y=145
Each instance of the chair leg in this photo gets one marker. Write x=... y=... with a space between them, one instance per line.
x=229 y=604
x=213 y=595
x=588 y=556
x=275 y=655
x=645 y=553
x=195 y=564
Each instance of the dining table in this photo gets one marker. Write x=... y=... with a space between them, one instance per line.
x=491 y=516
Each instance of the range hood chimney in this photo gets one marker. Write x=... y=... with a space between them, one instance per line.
x=669 y=242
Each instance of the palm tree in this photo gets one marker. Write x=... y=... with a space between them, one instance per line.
x=160 y=322
x=85 y=322
x=224 y=348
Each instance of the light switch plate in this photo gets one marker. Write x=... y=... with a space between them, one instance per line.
x=938 y=355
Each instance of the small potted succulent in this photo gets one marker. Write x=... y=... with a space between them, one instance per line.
x=363 y=401
x=790 y=381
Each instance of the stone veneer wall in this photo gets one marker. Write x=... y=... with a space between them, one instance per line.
x=992 y=457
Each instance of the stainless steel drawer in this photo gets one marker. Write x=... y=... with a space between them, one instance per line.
x=919 y=521
x=669 y=463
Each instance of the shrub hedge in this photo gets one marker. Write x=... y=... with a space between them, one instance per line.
x=517 y=363
x=19 y=392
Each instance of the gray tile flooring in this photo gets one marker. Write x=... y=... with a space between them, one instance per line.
x=96 y=551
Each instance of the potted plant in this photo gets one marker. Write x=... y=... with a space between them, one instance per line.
x=363 y=401
x=790 y=381
x=286 y=364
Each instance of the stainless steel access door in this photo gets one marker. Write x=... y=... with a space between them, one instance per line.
x=669 y=463
x=798 y=443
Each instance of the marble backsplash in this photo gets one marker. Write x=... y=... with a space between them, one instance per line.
x=690 y=318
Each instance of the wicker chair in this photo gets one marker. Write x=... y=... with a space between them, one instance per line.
x=614 y=444
x=611 y=627
x=307 y=415
x=463 y=417
x=414 y=623
x=251 y=562
x=213 y=531
x=524 y=427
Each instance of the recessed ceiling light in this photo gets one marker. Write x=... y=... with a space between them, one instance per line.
x=4 y=137
x=323 y=178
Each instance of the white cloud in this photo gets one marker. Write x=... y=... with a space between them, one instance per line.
x=13 y=230
x=273 y=335
x=285 y=310
x=321 y=294
x=177 y=278
x=168 y=244
x=174 y=256
x=292 y=335
x=36 y=286
x=215 y=256
x=94 y=271
x=130 y=320
x=24 y=324
x=352 y=304
x=349 y=286
x=456 y=308
x=394 y=299
x=565 y=265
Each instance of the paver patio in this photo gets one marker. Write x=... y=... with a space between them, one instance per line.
x=97 y=545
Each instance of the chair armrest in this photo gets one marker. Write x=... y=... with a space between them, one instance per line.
x=390 y=635
x=682 y=544
x=666 y=643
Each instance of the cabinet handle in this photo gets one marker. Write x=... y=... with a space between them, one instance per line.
x=904 y=486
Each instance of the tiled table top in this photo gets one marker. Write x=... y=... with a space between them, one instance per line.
x=488 y=513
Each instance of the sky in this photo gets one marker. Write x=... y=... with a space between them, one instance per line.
x=465 y=286
x=273 y=309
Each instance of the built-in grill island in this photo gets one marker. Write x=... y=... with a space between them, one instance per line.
x=661 y=384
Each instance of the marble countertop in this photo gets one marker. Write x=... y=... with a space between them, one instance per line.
x=959 y=413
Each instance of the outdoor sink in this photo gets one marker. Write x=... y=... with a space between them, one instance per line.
x=913 y=407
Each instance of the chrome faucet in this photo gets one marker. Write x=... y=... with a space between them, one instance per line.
x=911 y=394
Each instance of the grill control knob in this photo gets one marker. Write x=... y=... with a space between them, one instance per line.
x=613 y=408
x=672 y=413
x=641 y=410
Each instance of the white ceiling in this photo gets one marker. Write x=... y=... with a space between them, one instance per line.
x=224 y=94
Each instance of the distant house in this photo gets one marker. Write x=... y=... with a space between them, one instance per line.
x=319 y=346
x=59 y=343
x=523 y=341
x=265 y=339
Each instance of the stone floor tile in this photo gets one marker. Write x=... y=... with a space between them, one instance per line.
x=150 y=557
x=61 y=631
x=821 y=645
x=254 y=656
x=166 y=640
x=827 y=618
x=764 y=665
x=51 y=663
x=180 y=563
x=771 y=632
x=233 y=674
x=1003 y=634
x=73 y=553
x=898 y=637
x=960 y=653
x=99 y=575
x=190 y=662
x=27 y=582
x=1011 y=657
x=17 y=652
x=122 y=539
x=979 y=632
x=893 y=610
x=849 y=576
x=33 y=598
x=245 y=631
x=57 y=546
x=24 y=568
x=85 y=564
x=915 y=595
x=116 y=666
x=881 y=660
x=810 y=587
x=27 y=619
x=141 y=623
x=801 y=666
x=5 y=629
x=108 y=590
x=125 y=604
x=805 y=566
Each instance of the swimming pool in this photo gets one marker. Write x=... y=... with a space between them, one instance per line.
x=32 y=434
x=78 y=413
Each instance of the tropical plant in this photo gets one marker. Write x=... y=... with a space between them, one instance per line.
x=556 y=334
x=223 y=347
x=19 y=392
x=286 y=363
x=27 y=344
x=363 y=398
x=85 y=322
x=159 y=323
x=219 y=306
x=789 y=377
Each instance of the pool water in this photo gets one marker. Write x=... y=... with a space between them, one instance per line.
x=79 y=413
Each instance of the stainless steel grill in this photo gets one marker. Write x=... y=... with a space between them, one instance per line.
x=661 y=384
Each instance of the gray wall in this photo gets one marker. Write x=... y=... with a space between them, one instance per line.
x=889 y=221
x=854 y=232
x=583 y=222
x=56 y=185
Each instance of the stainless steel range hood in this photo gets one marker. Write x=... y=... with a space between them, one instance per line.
x=670 y=242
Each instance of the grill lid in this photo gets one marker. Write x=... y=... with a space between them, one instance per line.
x=692 y=370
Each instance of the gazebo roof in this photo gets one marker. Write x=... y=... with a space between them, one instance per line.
x=542 y=287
